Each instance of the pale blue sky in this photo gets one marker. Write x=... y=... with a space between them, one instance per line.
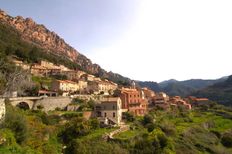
x=142 y=39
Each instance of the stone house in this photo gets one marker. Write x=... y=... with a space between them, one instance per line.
x=149 y=94
x=88 y=77
x=178 y=101
x=109 y=110
x=71 y=75
x=97 y=87
x=38 y=70
x=64 y=86
x=161 y=100
x=21 y=64
x=82 y=85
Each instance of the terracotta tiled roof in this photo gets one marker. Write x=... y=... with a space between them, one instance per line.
x=66 y=81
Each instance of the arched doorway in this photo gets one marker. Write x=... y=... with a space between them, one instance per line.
x=23 y=105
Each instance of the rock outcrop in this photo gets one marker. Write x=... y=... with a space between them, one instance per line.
x=39 y=35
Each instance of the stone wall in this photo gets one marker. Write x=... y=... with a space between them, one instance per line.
x=73 y=107
x=51 y=103
x=2 y=109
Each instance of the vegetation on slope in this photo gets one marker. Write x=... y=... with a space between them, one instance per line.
x=11 y=44
x=202 y=130
x=220 y=92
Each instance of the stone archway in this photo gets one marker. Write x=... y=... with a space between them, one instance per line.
x=23 y=105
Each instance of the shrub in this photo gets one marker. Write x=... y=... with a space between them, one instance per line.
x=163 y=140
x=150 y=127
x=147 y=119
x=129 y=116
x=71 y=115
x=227 y=140
x=77 y=127
x=40 y=107
x=93 y=146
x=7 y=137
x=95 y=123
x=50 y=119
x=16 y=122
x=168 y=128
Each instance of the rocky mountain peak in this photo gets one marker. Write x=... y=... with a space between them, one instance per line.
x=39 y=35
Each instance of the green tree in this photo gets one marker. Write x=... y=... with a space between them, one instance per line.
x=147 y=119
x=129 y=116
x=16 y=122
x=227 y=139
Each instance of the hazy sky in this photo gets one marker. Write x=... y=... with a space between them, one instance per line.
x=141 y=39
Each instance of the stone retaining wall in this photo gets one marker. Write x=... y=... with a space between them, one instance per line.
x=51 y=103
x=2 y=109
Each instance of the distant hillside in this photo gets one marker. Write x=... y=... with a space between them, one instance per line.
x=181 y=88
x=220 y=92
x=150 y=84
x=165 y=83
x=178 y=89
x=26 y=38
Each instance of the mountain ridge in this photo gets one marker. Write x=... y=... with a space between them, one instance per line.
x=181 y=88
x=220 y=92
x=39 y=35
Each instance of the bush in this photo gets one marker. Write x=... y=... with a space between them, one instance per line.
x=50 y=119
x=163 y=140
x=150 y=127
x=147 y=119
x=77 y=127
x=16 y=122
x=71 y=115
x=7 y=137
x=227 y=140
x=40 y=107
x=168 y=128
x=129 y=116
x=94 y=146
x=95 y=124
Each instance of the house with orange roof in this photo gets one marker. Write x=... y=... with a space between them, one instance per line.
x=161 y=100
x=178 y=101
x=134 y=101
x=197 y=101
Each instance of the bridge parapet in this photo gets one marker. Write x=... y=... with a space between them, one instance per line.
x=48 y=103
x=24 y=98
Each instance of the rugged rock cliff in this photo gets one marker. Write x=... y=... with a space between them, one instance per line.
x=40 y=36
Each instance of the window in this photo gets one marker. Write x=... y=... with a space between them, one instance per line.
x=113 y=107
x=105 y=114
x=114 y=114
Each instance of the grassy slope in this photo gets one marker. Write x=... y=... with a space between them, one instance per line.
x=194 y=133
x=188 y=132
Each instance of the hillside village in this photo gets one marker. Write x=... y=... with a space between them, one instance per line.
x=112 y=101
x=54 y=100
